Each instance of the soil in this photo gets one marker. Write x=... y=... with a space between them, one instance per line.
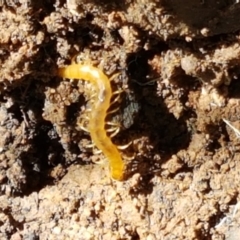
x=178 y=66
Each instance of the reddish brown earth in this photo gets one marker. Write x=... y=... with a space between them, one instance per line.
x=178 y=65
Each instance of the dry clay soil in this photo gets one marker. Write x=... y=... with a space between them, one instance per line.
x=178 y=66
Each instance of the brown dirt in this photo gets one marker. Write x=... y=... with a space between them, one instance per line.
x=179 y=67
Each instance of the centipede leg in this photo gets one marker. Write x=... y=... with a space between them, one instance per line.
x=114 y=76
x=99 y=161
x=90 y=145
x=123 y=147
x=115 y=128
x=96 y=151
x=113 y=111
x=92 y=97
x=82 y=123
x=111 y=129
x=119 y=91
x=88 y=110
x=113 y=124
x=130 y=158
x=116 y=99
x=115 y=132
x=84 y=128
x=73 y=60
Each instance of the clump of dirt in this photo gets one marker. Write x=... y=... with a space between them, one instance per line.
x=178 y=67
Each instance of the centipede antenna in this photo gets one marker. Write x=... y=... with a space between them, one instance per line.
x=151 y=82
x=123 y=147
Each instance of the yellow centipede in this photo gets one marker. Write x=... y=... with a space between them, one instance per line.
x=98 y=114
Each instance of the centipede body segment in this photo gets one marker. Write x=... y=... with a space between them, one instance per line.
x=97 y=120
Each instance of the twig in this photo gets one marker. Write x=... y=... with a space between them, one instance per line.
x=237 y=132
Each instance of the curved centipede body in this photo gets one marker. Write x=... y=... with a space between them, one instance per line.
x=97 y=120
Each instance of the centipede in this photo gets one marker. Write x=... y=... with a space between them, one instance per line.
x=100 y=105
